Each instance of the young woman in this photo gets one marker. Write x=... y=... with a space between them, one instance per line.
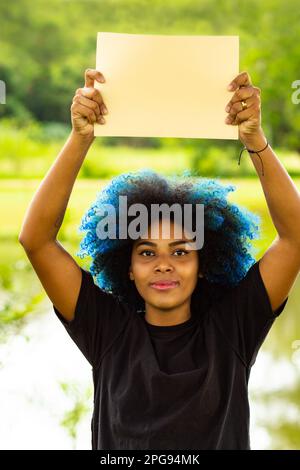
x=171 y=332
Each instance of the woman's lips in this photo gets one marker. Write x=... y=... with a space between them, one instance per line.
x=164 y=285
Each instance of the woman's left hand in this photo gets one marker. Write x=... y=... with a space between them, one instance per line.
x=244 y=108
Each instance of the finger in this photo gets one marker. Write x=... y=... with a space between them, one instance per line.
x=237 y=107
x=87 y=102
x=243 y=79
x=93 y=94
x=242 y=115
x=242 y=94
x=84 y=111
x=90 y=75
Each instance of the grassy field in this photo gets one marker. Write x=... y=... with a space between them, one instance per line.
x=28 y=153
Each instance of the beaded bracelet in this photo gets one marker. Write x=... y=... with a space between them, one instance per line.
x=254 y=151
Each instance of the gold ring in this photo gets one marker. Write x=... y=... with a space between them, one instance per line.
x=244 y=105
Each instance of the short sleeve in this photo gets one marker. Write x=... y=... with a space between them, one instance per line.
x=244 y=315
x=98 y=320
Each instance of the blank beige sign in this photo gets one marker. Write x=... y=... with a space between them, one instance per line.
x=166 y=86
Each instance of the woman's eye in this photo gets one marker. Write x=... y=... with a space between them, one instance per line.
x=181 y=251
x=145 y=251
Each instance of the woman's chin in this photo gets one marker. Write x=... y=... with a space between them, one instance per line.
x=164 y=304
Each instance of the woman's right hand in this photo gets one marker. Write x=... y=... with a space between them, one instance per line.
x=87 y=106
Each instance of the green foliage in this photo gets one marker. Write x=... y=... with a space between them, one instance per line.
x=81 y=406
x=284 y=425
x=28 y=151
x=44 y=51
x=20 y=295
x=214 y=162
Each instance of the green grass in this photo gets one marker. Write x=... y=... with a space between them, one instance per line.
x=29 y=152
x=100 y=161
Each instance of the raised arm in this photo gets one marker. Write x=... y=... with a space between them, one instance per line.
x=58 y=272
x=280 y=264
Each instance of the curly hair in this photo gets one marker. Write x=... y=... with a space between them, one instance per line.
x=225 y=256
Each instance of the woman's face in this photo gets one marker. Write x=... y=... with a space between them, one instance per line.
x=155 y=260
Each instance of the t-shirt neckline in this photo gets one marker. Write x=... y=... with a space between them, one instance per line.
x=165 y=328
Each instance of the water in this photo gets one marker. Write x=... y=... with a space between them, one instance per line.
x=32 y=402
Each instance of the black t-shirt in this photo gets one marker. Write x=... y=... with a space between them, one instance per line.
x=172 y=387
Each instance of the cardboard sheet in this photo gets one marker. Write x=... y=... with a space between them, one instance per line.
x=166 y=86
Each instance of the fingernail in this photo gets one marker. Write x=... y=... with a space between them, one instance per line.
x=104 y=109
x=102 y=120
x=102 y=80
x=227 y=108
x=230 y=87
x=228 y=120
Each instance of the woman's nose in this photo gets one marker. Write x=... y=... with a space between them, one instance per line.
x=163 y=265
x=163 y=268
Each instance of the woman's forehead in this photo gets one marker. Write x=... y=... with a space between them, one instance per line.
x=165 y=231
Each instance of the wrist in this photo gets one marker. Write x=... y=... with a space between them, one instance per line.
x=255 y=141
x=82 y=140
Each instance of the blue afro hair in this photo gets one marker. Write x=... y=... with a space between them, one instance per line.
x=225 y=257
